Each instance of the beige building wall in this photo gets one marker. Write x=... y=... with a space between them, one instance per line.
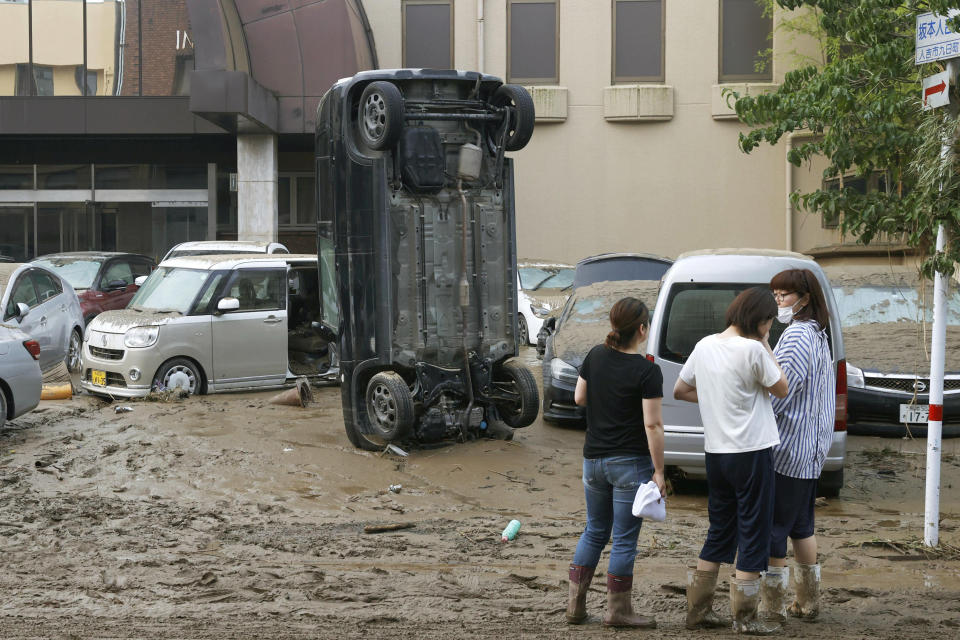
x=14 y=49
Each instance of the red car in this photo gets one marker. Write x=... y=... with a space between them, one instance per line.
x=103 y=280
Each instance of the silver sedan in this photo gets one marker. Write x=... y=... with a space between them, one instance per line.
x=46 y=308
x=20 y=378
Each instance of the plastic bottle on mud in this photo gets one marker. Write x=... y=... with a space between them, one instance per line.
x=511 y=531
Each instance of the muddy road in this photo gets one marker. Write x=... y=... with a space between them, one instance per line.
x=228 y=517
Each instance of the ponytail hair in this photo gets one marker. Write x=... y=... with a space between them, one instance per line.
x=626 y=317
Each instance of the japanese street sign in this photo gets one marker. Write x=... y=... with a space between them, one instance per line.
x=935 y=40
x=936 y=90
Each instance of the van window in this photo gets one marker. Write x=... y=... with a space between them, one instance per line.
x=697 y=310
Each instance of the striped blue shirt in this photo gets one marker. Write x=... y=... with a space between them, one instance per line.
x=805 y=417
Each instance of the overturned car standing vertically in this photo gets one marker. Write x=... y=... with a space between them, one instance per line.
x=417 y=253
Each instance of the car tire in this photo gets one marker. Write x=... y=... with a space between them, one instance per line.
x=830 y=484
x=3 y=408
x=389 y=406
x=522 y=116
x=523 y=333
x=173 y=372
x=522 y=414
x=74 y=347
x=380 y=115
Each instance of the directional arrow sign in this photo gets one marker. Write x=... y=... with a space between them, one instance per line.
x=936 y=91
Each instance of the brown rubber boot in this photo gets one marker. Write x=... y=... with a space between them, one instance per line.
x=744 y=601
x=806 y=581
x=620 y=605
x=773 y=594
x=700 y=588
x=580 y=578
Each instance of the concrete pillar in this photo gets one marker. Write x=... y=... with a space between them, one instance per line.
x=257 y=187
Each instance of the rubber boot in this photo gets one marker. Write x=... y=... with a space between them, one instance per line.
x=744 y=602
x=620 y=605
x=806 y=581
x=773 y=594
x=580 y=578
x=700 y=588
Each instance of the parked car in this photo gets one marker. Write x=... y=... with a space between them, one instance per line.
x=541 y=288
x=693 y=300
x=20 y=378
x=104 y=281
x=222 y=247
x=211 y=323
x=45 y=307
x=882 y=311
x=606 y=267
x=583 y=324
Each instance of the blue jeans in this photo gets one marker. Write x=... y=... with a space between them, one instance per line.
x=610 y=485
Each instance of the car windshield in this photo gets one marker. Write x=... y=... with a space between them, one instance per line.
x=170 y=289
x=531 y=277
x=873 y=304
x=79 y=272
x=562 y=279
x=591 y=304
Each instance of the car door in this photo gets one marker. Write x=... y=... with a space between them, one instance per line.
x=250 y=344
x=54 y=317
x=116 y=284
x=23 y=291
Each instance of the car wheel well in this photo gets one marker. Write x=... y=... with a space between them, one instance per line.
x=203 y=373
x=8 y=398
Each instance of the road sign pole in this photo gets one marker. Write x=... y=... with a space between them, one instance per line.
x=931 y=528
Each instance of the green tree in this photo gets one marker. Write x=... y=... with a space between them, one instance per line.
x=862 y=102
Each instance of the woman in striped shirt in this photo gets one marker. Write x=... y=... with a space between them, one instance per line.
x=805 y=419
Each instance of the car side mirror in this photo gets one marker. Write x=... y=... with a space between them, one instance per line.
x=116 y=285
x=550 y=324
x=22 y=310
x=228 y=304
x=140 y=280
x=324 y=331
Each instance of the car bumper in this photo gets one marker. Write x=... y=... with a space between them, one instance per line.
x=878 y=412
x=117 y=368
x=683 y=449
x=558 y=402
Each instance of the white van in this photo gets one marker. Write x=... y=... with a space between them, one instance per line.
x=693 y=300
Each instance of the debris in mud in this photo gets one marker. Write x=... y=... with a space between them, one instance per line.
x=395 y=450
x=395 y=488
x=166 y=395
x=911 y=548
x=299 y=396
x=122 y=409
x=380 y=528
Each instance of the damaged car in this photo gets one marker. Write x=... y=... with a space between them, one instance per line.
x=542 y=287
x=205 y=324
x=417 y=241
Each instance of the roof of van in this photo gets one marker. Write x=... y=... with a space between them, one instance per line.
x=776 y=253
x=231 y=261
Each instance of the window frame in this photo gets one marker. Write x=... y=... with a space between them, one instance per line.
x=767 y=76
x=403 y=28
x=23 y=277
x=556 y=44
x=295 y=224
x=613 y=47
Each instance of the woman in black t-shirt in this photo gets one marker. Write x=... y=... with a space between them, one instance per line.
x=623 y=449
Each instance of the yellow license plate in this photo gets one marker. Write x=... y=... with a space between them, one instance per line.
x=99 y=377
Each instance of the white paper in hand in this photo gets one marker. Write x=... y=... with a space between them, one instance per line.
x=649 y=504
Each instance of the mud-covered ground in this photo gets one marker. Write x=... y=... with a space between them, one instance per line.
x=228 y=517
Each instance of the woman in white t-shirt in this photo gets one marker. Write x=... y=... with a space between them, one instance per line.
x=731 y=375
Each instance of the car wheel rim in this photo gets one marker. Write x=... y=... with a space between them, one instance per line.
x=182 y=377
x=73 y=355
x=384 y=407
x=522 y=326
x=375 y=116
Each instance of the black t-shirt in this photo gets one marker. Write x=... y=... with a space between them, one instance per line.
x=617 y=383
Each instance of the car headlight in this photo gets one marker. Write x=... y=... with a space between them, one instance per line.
x=539 y=310
x=140 y=337
x=854 y=377
x=562 y=371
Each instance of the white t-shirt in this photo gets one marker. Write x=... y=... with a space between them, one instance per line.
x=730 y=374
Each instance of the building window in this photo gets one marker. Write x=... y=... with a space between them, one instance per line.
x=877 y=182
x=296 y=200
x=43 y=77
x=638 y=40
x=428 y=34
x=745 y=33
x=533 y=41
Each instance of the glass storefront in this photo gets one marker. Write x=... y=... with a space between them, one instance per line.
x=124 y=207
x=128 y=48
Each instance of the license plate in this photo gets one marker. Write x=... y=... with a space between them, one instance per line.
x=98 y=377
x=914 y=413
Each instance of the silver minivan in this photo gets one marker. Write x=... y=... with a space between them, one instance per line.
x=694 y=296
x=212 y=323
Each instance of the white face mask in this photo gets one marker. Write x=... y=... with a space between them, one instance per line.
x=785 y=314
